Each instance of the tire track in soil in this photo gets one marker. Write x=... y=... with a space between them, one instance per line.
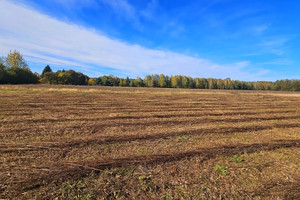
x=99 y=127
x=160 y=116
x=165 y=108
x=158 y=112
x=285 y=189
x=131 y=138
x=60 y=172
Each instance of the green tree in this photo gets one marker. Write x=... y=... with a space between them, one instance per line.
x=50 y=78
x=185 y=82
x=1 y=61
x=162 y=81
x=176 y=81
x=148 y=81
x=227 y=83
x=98 y=81
x=123 y=82
x=155 y=80
x=138 y=82
x=17 y=70
x=46 y=69
x=3 y=72
x=197 y=83
x=106 y=80
x=22 y=76
x=131 y=84
x=295 y=85
x=127 y=81
x=115 y=80
x=74 y=78
x=15 y=60
x=210 y=83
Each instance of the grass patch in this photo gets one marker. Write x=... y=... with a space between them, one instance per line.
x=236 y=159
x=220 y=169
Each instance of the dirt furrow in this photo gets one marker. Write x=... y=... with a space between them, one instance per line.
x=159 y=116
x=75 y=170
x=129 y=138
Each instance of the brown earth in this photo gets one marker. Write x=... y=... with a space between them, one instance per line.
x=79 y=142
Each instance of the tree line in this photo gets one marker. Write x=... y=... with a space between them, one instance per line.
x=179 y=81
x=14 y=70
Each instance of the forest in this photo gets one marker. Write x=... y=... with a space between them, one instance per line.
x=15 y=70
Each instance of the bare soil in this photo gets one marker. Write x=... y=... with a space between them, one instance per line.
x=79 y=142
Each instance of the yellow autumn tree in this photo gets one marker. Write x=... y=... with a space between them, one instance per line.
x=91 y=81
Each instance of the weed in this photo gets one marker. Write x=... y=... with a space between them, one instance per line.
x=182 y=194
x=143 y=151
x=47 y=139
x=236 y=159
x=147 y=185
x=104 y=147
x=182 y=138
x=220 y=169
x=123 y=171
x=85 y=196
x=167 y=196
x=77 y=191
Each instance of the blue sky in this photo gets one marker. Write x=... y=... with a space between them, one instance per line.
x=239 y=39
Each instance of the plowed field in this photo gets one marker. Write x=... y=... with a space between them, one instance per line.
x=80 y=142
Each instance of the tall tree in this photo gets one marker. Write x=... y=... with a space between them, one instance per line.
x=15 y=60
x=1 y=61
x=148 y=81
x=185 y=82
x=3 y=73
x=17 y=69
x=138 y=82
x=162 y=81
x=46 y=69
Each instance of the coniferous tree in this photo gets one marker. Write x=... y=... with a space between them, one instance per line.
x=46 y=69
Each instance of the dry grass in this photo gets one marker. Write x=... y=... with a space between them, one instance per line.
x=67 y=142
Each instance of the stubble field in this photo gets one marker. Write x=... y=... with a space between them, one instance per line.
x=74 y=142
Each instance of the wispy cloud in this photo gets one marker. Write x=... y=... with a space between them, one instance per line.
x=149 y=12
x=76 y=4
x=279 y=61
x=121 y=6
x=45 y=40
x=275 y=45
x=125 y=10
x=174 y=29
x=223 y=19
x=259 y=29
x=275 y=42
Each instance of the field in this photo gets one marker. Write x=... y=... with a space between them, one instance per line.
x=73 y=142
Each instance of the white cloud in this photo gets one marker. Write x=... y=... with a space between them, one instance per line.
x=45 y=40
x=120 y=5
x=148 y=13
x=76 y=4
x=279 y=61
x=275 y=42
x=275 y=45
x=258 y=30
x=123 y=9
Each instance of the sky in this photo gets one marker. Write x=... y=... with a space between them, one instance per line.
x=247 y=40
